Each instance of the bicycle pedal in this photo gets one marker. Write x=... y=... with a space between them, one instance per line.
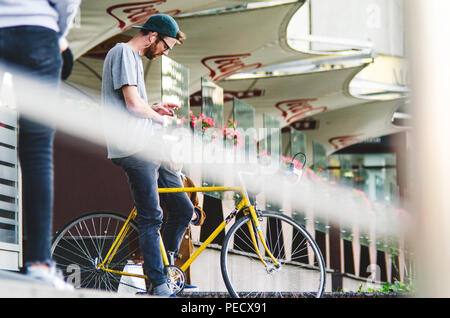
x=173 y=256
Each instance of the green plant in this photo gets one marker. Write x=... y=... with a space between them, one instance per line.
x=396 y=287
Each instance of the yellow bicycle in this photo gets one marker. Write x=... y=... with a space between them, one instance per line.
x=264 y=254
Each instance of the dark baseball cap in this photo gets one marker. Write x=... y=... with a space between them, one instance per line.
x=163 y=24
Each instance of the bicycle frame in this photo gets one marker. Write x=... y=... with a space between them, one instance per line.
x=244 y=205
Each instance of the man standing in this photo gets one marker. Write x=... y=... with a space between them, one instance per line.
x=123 y=89
x=32 y=37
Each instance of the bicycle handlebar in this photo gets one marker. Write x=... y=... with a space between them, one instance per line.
x=293 y=169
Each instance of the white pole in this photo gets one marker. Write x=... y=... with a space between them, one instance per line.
x=428 y=29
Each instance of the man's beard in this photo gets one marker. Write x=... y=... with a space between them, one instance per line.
x=149 y=52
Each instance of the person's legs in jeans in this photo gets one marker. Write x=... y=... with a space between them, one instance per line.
x=142 y=177
x=179 y=208
x=34 y=51
x=36 y=159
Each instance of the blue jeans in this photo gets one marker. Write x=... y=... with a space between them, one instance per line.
x=34 y=51
x=144 y=178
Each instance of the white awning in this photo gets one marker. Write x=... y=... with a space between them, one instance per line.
x=354 y=124
x=319 y=104
x=100 y=20
x=217 y=46
x=292 y=98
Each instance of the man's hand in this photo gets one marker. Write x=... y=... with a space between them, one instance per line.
x=165 y=109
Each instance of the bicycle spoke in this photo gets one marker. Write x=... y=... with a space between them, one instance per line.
x=83 y=255
x=83 y=250
x=86 y=241
x=92 y=239
x=288 y=243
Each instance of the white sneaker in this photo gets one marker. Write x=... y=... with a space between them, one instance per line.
x=50 y=276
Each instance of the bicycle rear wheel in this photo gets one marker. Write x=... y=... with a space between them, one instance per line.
x=301 y=272
x=83 y=244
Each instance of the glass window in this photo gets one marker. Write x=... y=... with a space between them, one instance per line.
x=175 y=89
x=212 y=102
x=271 y=146
x=272 y=137
x=297 y=142
x=320 y=160
x=244 y=116
x=212 y=107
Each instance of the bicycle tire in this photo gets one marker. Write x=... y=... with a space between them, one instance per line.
x=84 y=242
x=302 y=271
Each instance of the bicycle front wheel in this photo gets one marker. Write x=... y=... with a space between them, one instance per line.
x=84 y=243
x=300 y=271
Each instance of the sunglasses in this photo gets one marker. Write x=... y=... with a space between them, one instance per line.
x=168 y=48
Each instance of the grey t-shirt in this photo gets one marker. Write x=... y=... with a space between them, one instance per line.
x=123 y=66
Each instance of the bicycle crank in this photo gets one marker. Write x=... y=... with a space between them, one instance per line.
x=176 y=279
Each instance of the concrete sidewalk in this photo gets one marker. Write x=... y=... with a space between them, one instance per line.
x=16 y=285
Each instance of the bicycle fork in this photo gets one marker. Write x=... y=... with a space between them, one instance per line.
x=254 y=223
